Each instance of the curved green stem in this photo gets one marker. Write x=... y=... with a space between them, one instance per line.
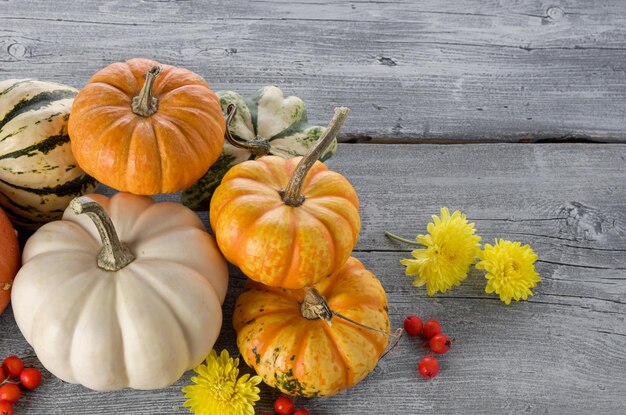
x=398 y=238
x=259 y=147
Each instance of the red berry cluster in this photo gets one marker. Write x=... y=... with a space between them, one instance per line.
x=13 y=368
x=438 y=342
x=285 y=406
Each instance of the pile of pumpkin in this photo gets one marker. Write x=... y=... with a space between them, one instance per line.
x=125 y=292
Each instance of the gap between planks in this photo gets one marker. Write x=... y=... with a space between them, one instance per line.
x=525 y=139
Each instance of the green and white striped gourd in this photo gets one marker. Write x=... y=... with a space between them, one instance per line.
x=277 y=125
x=38 y=173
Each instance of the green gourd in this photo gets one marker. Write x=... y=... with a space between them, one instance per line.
x=267 y=124
x=38 y=173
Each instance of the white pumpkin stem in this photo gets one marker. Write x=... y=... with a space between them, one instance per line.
x=292 y=195
x=114 y=255
x=145 y=104
x=259 y=147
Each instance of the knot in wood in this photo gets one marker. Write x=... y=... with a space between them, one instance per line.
x=584 y=222
x=17 y=50
x=555 y=13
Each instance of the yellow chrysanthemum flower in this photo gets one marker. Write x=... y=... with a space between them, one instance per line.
x=510 y=270
x=217 y=391
x=451 y=249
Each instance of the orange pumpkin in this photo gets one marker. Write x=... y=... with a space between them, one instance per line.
x=146 y=128
x=287 y=222
x=9 y=259
x=303 y=355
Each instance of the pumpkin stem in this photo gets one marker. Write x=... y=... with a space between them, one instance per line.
x=316 y=307
x=259 y=147
x=114 y=254
x=292 y=195
x=145 y=104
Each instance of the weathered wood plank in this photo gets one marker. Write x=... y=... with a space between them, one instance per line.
x=562 y=352
x=426 y=71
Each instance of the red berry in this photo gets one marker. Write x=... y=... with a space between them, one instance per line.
x=413 y=325
x=30 y=378
x=1 y=374
x=440 y=343
x=13 y=366
x=431 y=327
x=10 y=392
x=284 y=406
x=6 y=408
x=302 y=411
x=428 y=367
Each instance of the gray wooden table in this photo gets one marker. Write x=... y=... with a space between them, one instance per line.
x=513 y=111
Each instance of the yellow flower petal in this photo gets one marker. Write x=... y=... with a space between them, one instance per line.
x=451 y=249
x=510 y=270
x=216 y=389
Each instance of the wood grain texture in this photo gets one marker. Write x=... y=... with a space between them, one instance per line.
x=427 y=71
x=561 y=352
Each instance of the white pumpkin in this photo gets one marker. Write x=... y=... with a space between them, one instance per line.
x=152 y=316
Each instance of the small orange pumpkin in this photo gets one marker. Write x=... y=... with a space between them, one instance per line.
x=9 y=259
x=287 y=222
x=146 y=128
x=286 y=335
